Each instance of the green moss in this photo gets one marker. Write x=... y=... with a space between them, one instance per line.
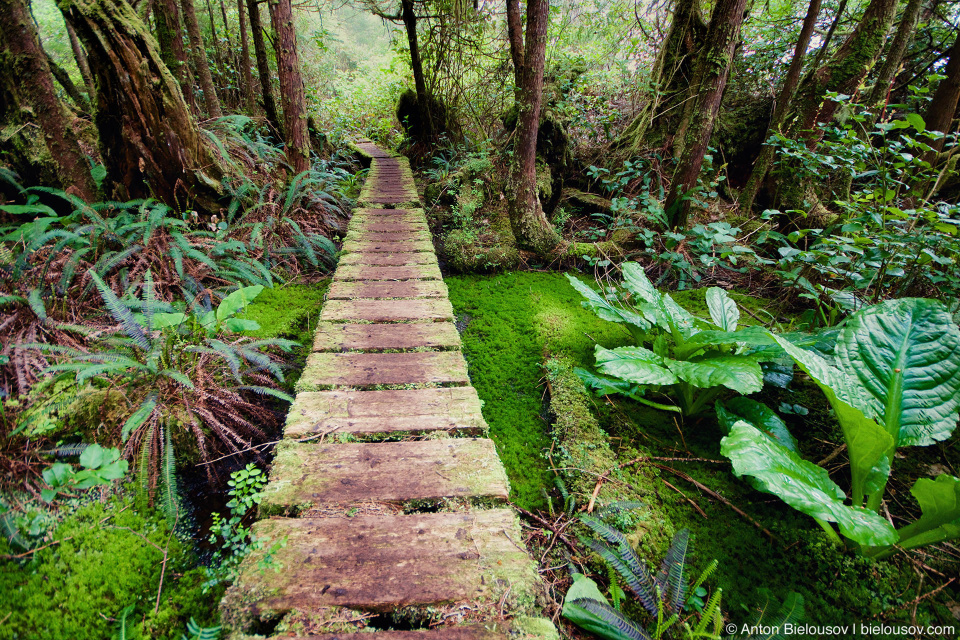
x=100 y=565
x=289 y=311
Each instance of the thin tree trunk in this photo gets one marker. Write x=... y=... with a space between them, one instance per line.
x=246 y=75
x=27 y=60
x=292 y=95
x=172 y=51
x=82 y=64
x=200 y=59
x=530 y=226
x=765 y=159
x=822 y=53
x=515 y=36
x=63 y=79
x=939 y=113
x=150 y=144
x=423 y=101
x=263 y=67
x=713 y=65
x=891 y=62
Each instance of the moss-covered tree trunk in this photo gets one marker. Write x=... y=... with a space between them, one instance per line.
x=713 y=68
x=672 y=79
x=172 y=51
x=200 y=63
x=939 y=113
x=263 y=67
x=765 y=160
x=29 y=98
x=150 y=144
x=530 y=225
x=515 y=37
x=890 y=63
x=81 y=57
x=293 y=98
x=246 y=75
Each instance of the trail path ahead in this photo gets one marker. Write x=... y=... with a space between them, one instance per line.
x=387 y=496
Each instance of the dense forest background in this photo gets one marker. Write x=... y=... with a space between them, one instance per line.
x=176 y=175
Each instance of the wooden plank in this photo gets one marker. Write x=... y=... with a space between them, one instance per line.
x=367 y=246
x=432 y=310
x=405 y=216
x=404 y=410
x=381 y=563
x=363 y=272
x=392 y=227
x=305 y=474
x=393 y=259
x=388 y=236
x=369 y=211
x=465 y=632
x=368 y=369
x=377 y=337
x=349 y=290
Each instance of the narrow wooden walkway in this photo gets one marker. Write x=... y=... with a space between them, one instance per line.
x=386 y=495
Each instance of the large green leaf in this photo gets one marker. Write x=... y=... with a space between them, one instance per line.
x=723 y=310
x=636 y=282
x=237 y=301
x=904 y=358
x=867 y=442
x=740 y=373
x=587 y=608
x=634 y=364
x=678 y=317
x=940 y=501
x=604 y=309
x=760 y=416
x=801 y=484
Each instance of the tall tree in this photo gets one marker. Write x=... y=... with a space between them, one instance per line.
x=246 y=75
x=765 y=160
x=890 y=63
x=713 y=67
x=939 y=113
x=29 y=85
x=293 y=98
x=150 y=144
x=515 y=37
x=81 y=57
x=172 y=51
x=263 y=66
x=530 y=226
x=199 y=53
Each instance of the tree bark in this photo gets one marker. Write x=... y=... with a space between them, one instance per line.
x=150 y=144
x=293 y=98
x=246 y=75
x=515 y=36
x=63 y=79
x=530 y=226
x=891 y=62
x=81 y=57
x=172 y=51
x=26 y=60
x=713 y=67
x=939 y=113
x=200 y=59
x=263 y=67
x=423 y=100
x=765 y=159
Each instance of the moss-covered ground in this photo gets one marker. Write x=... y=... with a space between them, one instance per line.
x=511 y=322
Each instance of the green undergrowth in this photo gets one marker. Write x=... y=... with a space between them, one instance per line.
x=99 y=562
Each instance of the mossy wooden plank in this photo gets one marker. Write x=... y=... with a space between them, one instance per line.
x=467 y=632
x=349 y=290
x=401 y=226
x=364 y=272
x=404 y=410
x=305 y=474
x=432 y=310
x=388 y=236
x=368 y=246
x=381 y=563
x=389 y=214
x=369 y=369
x=394 y=259
x=378 y=337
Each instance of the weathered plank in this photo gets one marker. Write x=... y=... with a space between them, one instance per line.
x=380 y=563
x=394 y=259
x=376 y=225
x=349 y=290
x=432 y=310
x=361 y=246
x=388 y=236
x=466 y=632
x=368 y=369
x=363 y=272
x=377 y=337
x=404 y=410
x=305 y=474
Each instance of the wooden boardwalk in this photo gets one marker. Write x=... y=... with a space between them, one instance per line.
x=386 y=495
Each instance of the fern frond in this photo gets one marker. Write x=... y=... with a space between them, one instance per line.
x=267 y=391
x=169 y=498
x=121 y=313
x=610 y=617
x=143 y=469
x=709 y=613
x=640 y=583
x=671 y=576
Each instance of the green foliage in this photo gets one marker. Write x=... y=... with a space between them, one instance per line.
x=99 y=466
x=689 y=359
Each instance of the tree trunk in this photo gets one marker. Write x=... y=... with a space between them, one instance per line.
x=292 y=96
x=891 y=62
x=713 y=67
x=82 y=64
x=200 y=59
x=150 y=144
x=515 y=36
x=530 y=226
x=63 y=79
x=172 y=52
x=246 y=75
x=765 y=159
x=26 y=60
x=844 y=72
x=263 y=67
x=939 y=113
x=424 y=104
x=827 y=39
